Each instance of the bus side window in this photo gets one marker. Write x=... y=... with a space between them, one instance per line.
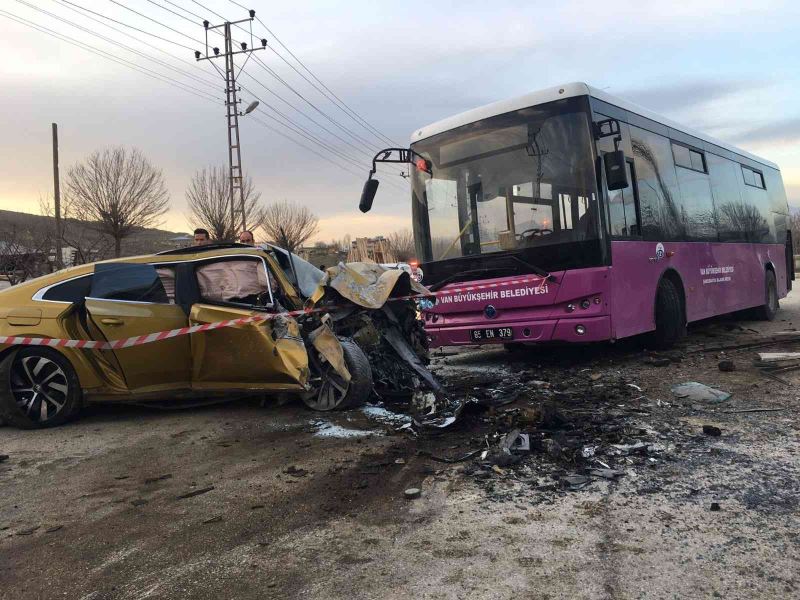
x=623 y=208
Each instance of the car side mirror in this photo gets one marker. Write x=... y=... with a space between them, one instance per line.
x=368 y=195
x=616 y=170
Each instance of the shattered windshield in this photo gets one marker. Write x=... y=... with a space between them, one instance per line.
x=514 y=181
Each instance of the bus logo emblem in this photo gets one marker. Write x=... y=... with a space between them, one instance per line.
x=660 y=253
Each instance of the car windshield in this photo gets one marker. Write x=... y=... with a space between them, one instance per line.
x=514 y=181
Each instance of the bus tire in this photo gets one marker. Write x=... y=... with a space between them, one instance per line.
x=670 y=320
x=769 y=309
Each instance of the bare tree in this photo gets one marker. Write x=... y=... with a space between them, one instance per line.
x=289 y=225
x=209 y=198
x=120 y=191
x=402 y=244
x=88 y=243
x=25 y=252
x=342 y=244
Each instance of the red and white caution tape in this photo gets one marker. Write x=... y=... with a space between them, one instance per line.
x=173 y=333
x=144 y=339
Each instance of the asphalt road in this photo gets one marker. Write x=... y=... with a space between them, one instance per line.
x=244 y=501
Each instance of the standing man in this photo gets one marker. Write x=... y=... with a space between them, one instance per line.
x=246 y=237
x=201 y=237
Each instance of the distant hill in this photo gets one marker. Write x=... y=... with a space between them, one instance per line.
x=143 y=241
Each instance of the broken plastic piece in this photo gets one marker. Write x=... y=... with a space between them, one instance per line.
x=699 y=392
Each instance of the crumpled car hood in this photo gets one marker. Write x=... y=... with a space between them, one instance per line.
x=367 y=284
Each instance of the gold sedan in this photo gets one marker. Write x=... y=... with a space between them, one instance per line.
x=124 y=298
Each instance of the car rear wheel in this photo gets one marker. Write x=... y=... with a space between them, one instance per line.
x=331 y=391
x=768 y=311
x=40 y=389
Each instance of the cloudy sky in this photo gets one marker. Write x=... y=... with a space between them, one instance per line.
x=724 y=67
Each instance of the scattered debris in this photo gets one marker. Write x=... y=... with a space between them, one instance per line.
x=727 y=366
x=658 y=361
x=699 y=392
x=295 y=472
x=712 y=430
x=194 y=493
x=3 y=457
x=715 y=506
x=159 y=478
x=216 y=519
x=754 y=410
x=444 y=459
x=607 y=473
x=53 y=529
x=412 y=493
x=574 y=482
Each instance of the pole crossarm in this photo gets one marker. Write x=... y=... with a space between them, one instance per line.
x=236 y=175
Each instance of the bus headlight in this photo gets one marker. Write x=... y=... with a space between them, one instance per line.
x=570 y=307
x=580 y=329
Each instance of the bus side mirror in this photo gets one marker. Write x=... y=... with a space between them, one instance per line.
x=616 y=170
x=368 y=195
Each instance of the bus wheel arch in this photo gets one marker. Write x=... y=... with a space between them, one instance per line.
x=669 y=311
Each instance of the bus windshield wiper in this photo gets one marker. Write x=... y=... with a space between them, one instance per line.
x=534 y=268
x=469 y=274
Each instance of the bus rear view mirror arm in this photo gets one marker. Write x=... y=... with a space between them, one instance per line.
x=616 y=169
x=389 y=155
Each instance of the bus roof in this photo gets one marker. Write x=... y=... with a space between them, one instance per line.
x=568 y=90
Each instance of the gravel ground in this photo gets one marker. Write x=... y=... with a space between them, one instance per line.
x=240 y=501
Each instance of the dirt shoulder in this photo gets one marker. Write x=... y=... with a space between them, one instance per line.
x=242 y=501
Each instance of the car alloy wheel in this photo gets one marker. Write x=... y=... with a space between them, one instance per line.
x=40 y=387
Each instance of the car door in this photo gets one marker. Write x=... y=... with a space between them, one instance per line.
x=264 y=355
x=128 y=300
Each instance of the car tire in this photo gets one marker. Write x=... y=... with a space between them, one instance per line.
x=669 y=316
x=332 y=392
x=38 y=389
x=769 y=309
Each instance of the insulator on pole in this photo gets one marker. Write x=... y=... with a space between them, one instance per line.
x=206 y=24
x=197 y=54
x=252 y=14
x=244 y=45
x=264 y=42
x=216 y=51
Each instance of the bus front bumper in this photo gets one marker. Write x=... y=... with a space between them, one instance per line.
x=588 y=329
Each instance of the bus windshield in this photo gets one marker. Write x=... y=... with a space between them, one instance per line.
x=511 y=182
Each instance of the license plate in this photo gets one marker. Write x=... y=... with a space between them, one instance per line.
x=495 y=333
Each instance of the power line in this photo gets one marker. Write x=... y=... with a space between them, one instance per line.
x=163 y=39
x=107 y=55
x=131 y=36
x=155 y=75
x=302 y=131
x=322 y=156
x=344 y=105
x=370 y=148
x=156 y=21
x=116 y=43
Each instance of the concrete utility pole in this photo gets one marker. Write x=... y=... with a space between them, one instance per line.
x=57 y=199
x=238 y=211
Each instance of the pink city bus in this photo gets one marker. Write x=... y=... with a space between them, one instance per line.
x=570 y=215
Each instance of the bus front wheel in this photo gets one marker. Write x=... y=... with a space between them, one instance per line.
x=768 y=310
x=670 y=320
